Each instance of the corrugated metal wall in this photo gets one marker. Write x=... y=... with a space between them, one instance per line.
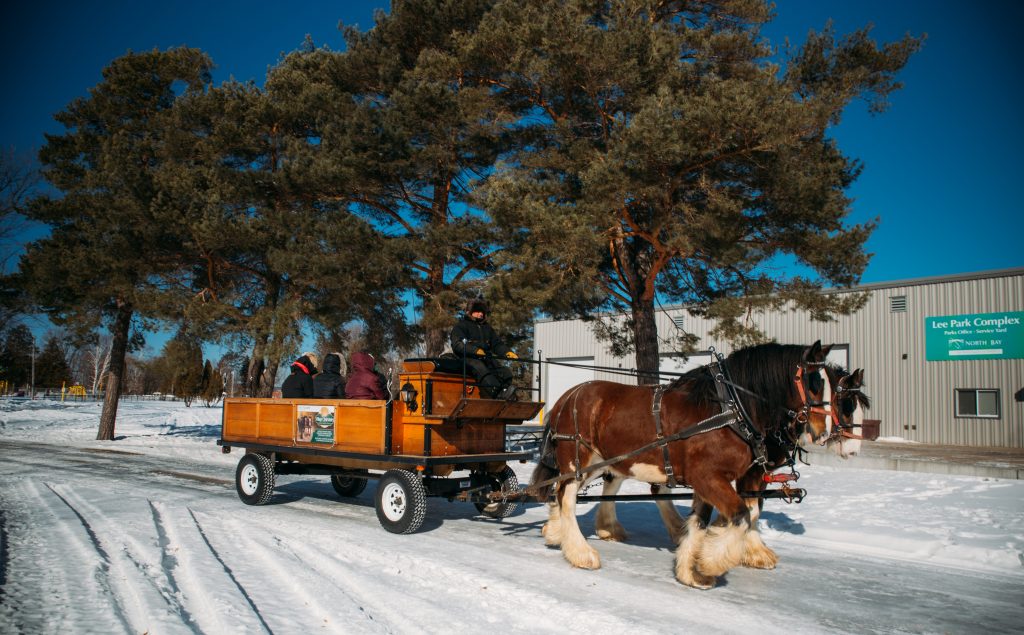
x=914 y=398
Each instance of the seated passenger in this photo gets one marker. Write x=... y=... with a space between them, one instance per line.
x=363 y=382
x=329 y=384
x=299 y=385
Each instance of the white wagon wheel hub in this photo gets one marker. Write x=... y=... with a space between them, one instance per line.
x=250 y=479
x=393 y=502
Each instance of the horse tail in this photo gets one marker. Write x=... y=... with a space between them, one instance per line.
x=543 y=472
x=547 y=464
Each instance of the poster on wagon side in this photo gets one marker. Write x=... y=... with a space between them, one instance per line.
x=974 y=336
x=314 y=424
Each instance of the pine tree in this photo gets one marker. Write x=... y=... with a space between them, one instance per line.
x=183 y=363
x=672 y=159
x=110 y=253
x=407 y=123
x=272 y=248
x=52 y=370
x=16 y=356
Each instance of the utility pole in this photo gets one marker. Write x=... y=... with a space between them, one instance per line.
x=32 y=392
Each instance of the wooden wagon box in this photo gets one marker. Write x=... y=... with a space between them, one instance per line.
x=446 y=417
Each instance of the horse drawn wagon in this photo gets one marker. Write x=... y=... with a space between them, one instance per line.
x=440 y=427
x=721 y=434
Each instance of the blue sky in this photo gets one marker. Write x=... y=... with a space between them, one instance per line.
x=941 y=167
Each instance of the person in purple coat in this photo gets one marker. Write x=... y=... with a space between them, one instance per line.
x=363 y=382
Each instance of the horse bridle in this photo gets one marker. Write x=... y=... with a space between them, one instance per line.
x=842 y=429
x=807 y=406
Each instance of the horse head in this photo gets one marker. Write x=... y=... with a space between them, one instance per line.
x=849 y=405
x=813 y=415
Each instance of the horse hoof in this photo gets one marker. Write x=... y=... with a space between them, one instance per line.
x=760 y=561
x=584 y=560
x=612 y=535
x=697 y=580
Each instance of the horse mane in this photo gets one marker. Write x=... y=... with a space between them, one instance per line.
x=767 y=370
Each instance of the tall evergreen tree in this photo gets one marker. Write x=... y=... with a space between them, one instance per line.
x=111 y=250
x=16 y=356
x=273 y=249
x=674 y=159
x=52 y=370
x=183 y=361
x=406 y=127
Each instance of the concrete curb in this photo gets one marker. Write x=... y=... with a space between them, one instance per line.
x=925 y=466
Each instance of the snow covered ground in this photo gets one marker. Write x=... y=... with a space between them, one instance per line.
x=146 y=535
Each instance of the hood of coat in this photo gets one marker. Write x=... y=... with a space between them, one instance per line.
x=332 y=363
x=362 y=361
x=305 y=361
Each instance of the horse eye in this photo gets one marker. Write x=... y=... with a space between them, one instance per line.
x=816 y=383
x=847 y=408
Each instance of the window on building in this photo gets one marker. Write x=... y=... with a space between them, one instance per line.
x=898 y=304
x=977 y=402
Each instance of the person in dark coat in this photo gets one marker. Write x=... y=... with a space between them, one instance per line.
x=299 y=385
x=329 y=384
x=473 y=338
x=363 y=382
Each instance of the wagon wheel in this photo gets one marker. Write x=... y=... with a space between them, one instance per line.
x=348 y=486
x=401 y=501
x=254 y=479
x=503 y=481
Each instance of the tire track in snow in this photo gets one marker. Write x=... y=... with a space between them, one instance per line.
x=298 y=592
x=429 y=588
x=103 y=572
x=55 y=567
x=230 y=574
x=139 y=586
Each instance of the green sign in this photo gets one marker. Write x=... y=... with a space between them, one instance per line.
x=974 y=336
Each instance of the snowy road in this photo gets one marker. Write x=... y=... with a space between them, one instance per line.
x=125 y=539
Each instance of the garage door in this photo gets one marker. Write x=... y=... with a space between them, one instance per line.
x=561 y=378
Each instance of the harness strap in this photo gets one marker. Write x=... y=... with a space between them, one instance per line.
x=659 y=392
x=713 y=422
x=731 y=400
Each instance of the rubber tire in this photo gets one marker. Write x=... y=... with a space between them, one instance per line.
x=503 y=481
x=401 y=501
x=348 y=486
x=254 y=479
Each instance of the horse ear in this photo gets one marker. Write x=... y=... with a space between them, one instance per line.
x=825 y=350
x=858 y=376
x=811 y=354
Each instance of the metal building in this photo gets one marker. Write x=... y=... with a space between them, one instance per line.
x=943 y=356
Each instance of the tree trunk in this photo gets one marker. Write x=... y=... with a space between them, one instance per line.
x=436 y=336
x=115 y=372
x=645 y=336
x=435 y=316
x=272 y=366
x=254 y=373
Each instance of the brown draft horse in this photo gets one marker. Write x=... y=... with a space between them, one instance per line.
x=848 y=405
x=602 y=420
x=843 y=439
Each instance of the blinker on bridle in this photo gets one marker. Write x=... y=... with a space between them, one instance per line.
x=808 y=406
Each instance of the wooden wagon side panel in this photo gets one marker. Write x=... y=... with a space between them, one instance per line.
x=361 y=426
x=471 y=438
x=260 y=420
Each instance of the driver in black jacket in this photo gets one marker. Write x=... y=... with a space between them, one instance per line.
x=473 y=338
